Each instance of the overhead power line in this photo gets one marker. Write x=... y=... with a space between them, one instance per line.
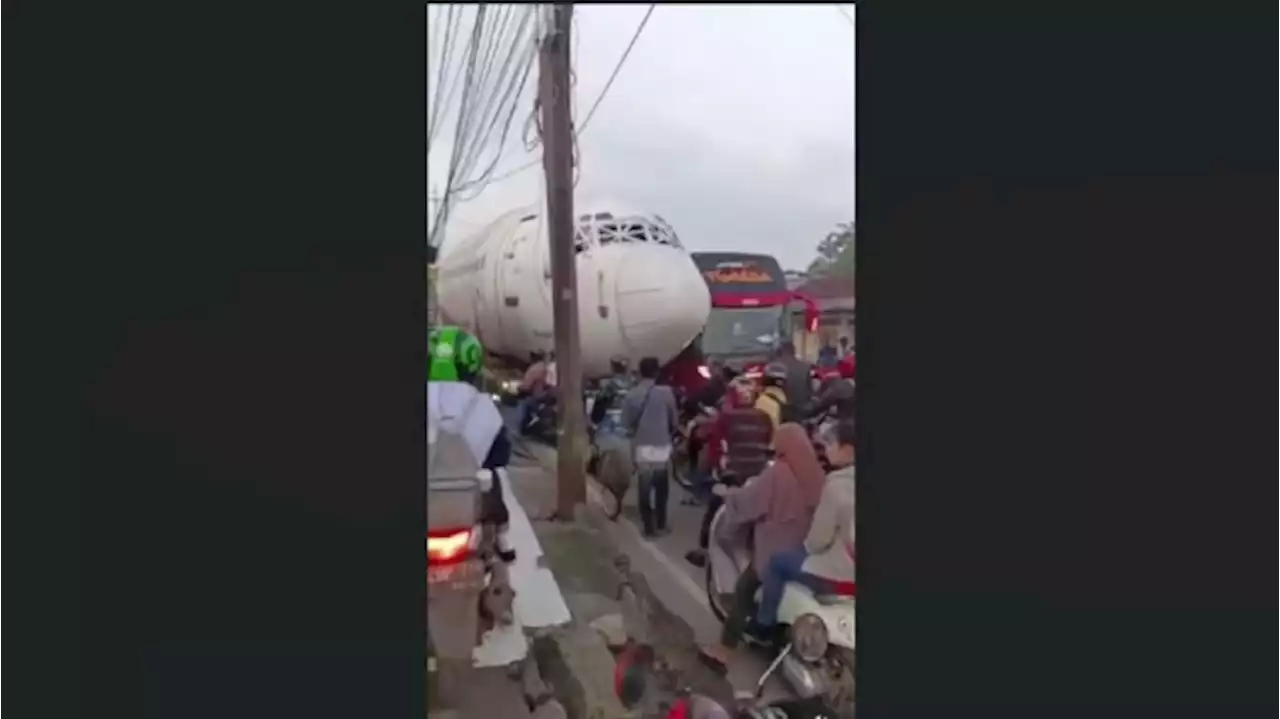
x=618 y=68
x=496 y=61
x=609 y=83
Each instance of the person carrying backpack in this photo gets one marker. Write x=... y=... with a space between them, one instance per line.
x=773 y=398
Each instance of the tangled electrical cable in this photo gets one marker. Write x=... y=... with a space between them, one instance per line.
x=499 y=58
x=530 y=146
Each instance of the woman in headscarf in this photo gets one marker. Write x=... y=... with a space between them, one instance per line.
x=777 y=507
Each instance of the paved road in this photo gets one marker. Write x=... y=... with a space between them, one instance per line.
x=677 y=583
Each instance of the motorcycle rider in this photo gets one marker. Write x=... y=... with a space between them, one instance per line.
x=454 y=362
x=799 y=374
x=738 y=445
x=533 y=388
x=836 y=396
x=551 y=371
x=773 y=398
x=825 y=564
x=695 y=409
x=713 y=391
x=773 y=513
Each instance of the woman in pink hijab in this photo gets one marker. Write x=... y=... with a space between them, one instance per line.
x=777 y=507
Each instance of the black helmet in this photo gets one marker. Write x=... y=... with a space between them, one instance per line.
x=775 y=371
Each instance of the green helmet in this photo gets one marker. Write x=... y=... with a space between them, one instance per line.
x=453 y=355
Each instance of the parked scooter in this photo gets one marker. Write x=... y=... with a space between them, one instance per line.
x=818 y=658
x=469 y=589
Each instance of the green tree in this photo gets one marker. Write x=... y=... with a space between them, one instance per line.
x=836 y=253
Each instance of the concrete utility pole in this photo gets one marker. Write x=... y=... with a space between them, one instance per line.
x=557 y=162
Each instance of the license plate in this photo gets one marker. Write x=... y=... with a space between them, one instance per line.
x=457 y=576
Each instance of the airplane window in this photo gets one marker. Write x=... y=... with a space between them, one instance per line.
x=607 y=233
x=604 y=230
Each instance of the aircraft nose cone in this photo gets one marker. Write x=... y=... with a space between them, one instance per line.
x=663 y=302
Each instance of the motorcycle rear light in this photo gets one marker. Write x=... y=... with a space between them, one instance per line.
x=451 y=546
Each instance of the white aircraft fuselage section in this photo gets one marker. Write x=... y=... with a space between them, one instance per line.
x=639 y=293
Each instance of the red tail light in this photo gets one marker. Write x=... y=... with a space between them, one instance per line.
x=451 y=546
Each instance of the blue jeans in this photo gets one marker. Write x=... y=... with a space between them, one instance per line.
x=524 y=411
x=653 y=485
x=700 y=484
x=785 y=567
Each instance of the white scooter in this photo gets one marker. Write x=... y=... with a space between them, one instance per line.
x=818 y=659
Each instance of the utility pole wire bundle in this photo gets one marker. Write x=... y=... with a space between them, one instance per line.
x=594 y=106
x=497 y=60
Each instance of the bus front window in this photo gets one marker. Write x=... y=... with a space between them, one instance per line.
x=744 y=330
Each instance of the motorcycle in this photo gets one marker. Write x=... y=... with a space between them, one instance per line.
x=507 y=393
x=650 y=687
x=817 y=427
x=817 y=659
x=609 y=464
x=540 y=424
x=682 y=462
x=469 y=589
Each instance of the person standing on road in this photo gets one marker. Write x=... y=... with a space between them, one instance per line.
x=650 y=414
x=825 y=564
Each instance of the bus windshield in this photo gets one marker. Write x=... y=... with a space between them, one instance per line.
x=742 y=330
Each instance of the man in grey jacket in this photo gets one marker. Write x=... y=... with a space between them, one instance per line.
x=650 y=416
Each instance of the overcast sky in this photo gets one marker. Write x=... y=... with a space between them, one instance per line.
x=735 y=123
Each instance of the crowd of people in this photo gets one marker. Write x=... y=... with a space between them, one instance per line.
x=751 y=452
x=755 y=456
